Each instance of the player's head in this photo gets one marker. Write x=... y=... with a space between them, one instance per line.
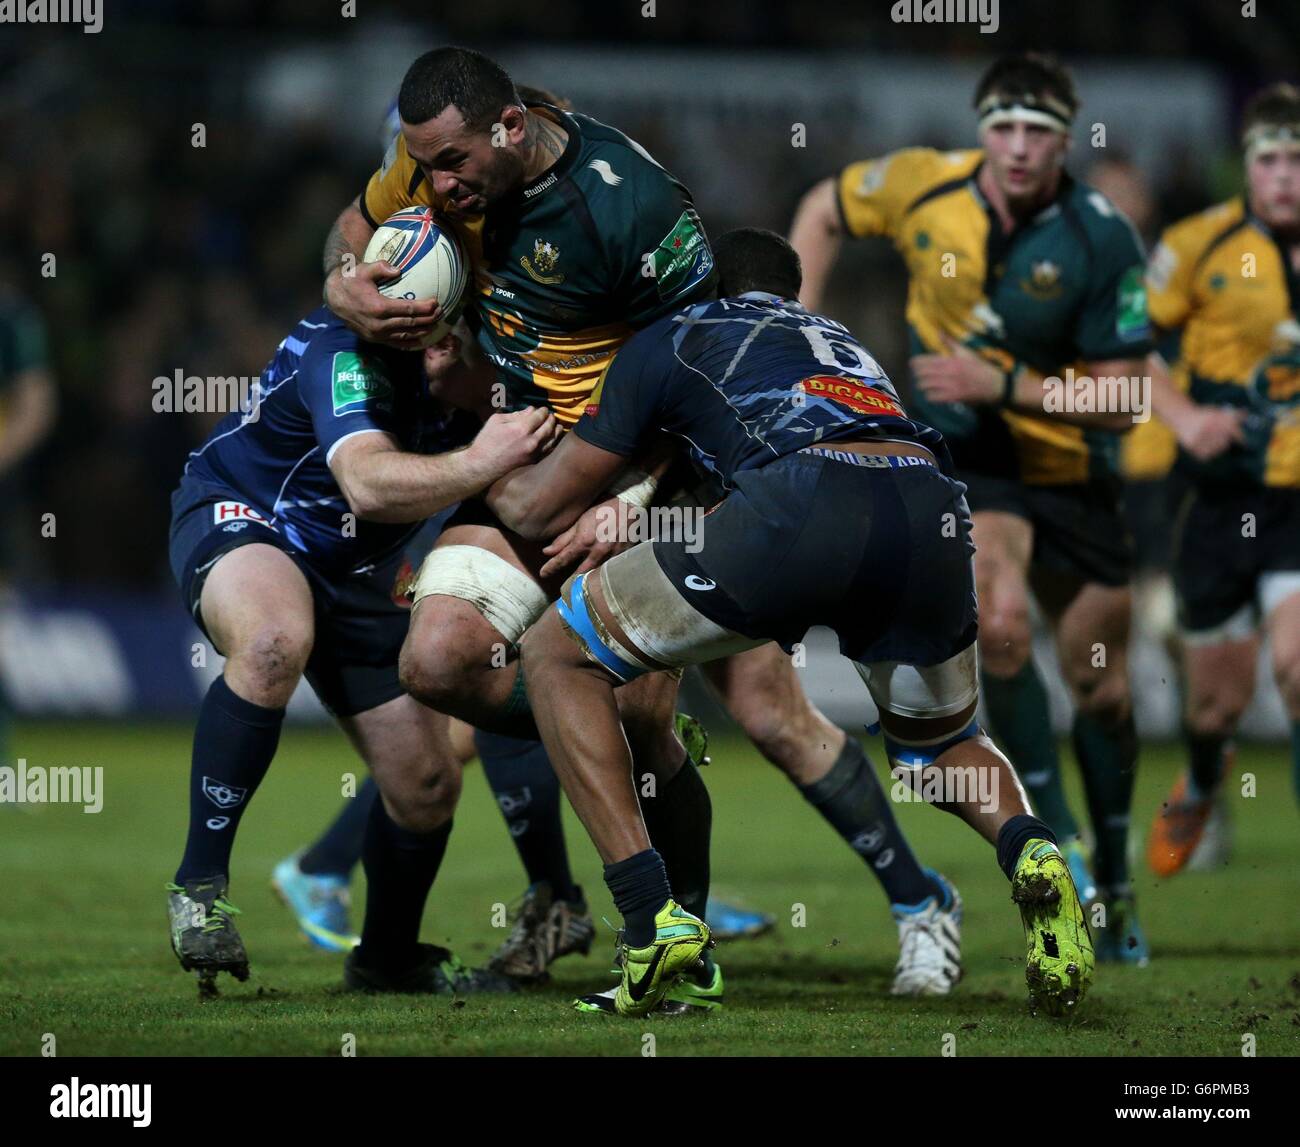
x=464 y=126
x=532 y=95
x=1271 y=139
x=1026 y=105
x=751 y=259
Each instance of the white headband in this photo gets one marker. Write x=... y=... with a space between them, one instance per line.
x=1270 y=137
x=1042 y=110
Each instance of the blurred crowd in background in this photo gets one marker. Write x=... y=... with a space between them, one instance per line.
x=170 y=256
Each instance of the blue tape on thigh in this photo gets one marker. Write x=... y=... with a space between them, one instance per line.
x=578 y=618
x=921 y=756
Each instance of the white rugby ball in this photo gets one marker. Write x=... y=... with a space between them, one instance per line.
x=430 y=259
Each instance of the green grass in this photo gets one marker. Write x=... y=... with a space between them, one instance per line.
x=83 y=930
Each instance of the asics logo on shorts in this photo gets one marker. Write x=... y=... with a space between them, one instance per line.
x=694 y=581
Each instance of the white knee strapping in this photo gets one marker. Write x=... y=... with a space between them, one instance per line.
x=923 y=691
x=509 y=599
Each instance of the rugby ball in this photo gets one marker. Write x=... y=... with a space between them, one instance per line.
x=430 y=261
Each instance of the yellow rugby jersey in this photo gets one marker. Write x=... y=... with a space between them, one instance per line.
x=1065 y=288
x=602 y=243
x=1221 y=281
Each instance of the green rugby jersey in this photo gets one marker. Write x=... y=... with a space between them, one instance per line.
x=603 y=242
x=1064 y=289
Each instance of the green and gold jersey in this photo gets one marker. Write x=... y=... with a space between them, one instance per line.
x=603 y=243
x=1221 y=280
x=1064 y=289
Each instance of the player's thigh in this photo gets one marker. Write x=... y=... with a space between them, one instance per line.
x=629 y=616
x=255 y=601
x=408 y=749
x=1219 y=682
x=759 y=686
x=1092 y=634
x=1004 y=546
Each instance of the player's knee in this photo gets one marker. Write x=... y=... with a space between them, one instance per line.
x=1286 y=672
x=1213 y=716
x=1102 y=695
x=1004 y=643
x=425 y=795
x=269 y=662
x=438 y=670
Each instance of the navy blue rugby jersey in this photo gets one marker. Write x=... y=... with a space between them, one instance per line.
x=324 y=385
x=745 y=381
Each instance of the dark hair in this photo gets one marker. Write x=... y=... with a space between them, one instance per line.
x=455 y=77
x=532 y=95
x=1275 y=105
x=1028 y=74
x=751 y=259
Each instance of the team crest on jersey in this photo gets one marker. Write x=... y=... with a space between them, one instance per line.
x=847 y=392
x=1044 y=281
x=545 y=256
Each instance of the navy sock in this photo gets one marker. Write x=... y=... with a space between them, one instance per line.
x=639 y=886
x=337 y=850
x=852 y=800
x=1014 y=835
x=679 y=821
x=234 y=742
x=528 y=793
x=400 y=869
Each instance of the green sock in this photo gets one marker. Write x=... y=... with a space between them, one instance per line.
x=1022 y=726
x=1108 y=759
x=1295 y=757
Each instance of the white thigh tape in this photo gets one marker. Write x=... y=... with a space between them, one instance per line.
x=923 y=690
x=1275 y=587
x=509 y=599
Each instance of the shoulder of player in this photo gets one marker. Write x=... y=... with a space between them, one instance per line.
x=1191 y=237
x=612 y=165
x=918 y=170
x=1108 y=231
x=330 y=346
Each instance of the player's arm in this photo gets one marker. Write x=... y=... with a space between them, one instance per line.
x=864 y=199
x=384 y=483
x=1203 y=431
x=540 y=501
x=29 y=411
x=817 y=234
x=544 y=499
x=963 y=376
